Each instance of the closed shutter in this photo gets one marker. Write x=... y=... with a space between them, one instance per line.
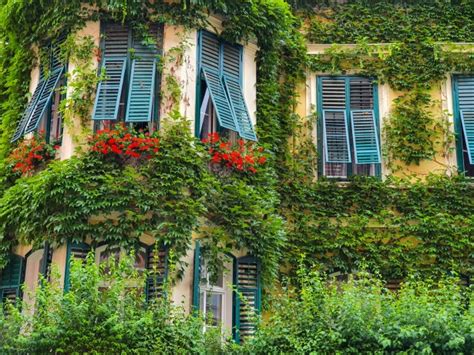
x=109 y=90
x=141 y=96
x=248 y=300
x=157 y=266
x=210 y=53
x=74 y=251
x=335 y=123
x=364 y=127
x=467 y=120
x=11 y=279
x=197 y=276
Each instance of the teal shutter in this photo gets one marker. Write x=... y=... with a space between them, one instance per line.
x=239 y=108
x=29 y=108
x=248 y=301
x=157 y=266
x=74 y=251
x=43 y=100
x=467 y=120
x=109 y=90
x=224 y=112
x=11 y=279
x=197 y=276
x=365 y=137
x=210 y=51
x=336 y=136
x=141 y=96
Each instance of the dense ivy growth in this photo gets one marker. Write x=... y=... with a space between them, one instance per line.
x=393 y=227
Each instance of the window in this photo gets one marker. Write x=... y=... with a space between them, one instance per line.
x=150 y=258
x=130 y=86
x=38 y=262
x=11 y=279
x=221 y=103
x=464 y=123
x=42 y=112
x=348 y=128
x=217 y=300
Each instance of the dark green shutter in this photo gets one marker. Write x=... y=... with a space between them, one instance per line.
x=11 y=278
x=74 y=251
x=197 y=276
x=141 y=95
x=45 y=267
x=157 y=266
x=248 y=301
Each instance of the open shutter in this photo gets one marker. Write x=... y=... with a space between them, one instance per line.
x=365 y=137
x=157 y=266
x=467 y=120
x=239 y=108
x=11 y=279
x=45 y=267
x=74 y=251
x=29 y=108
x=197 y=276
x=336 y=136
x=224 y=112
x=248 y=300
x=109 y=91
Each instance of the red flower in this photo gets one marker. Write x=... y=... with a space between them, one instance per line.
x=262 y=160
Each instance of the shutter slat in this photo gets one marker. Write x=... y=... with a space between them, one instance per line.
x=467 y=120
x=11 y=278
x=361 y=94
x=141 y=92
x=333 y=93
x=116 y=40
x=231 y=61
x=29 y=109
x=365 y=137
x=239 y=108
x=43 y=100
x=109 y=90
x=210 y=51
x=466 y=93
x=224 y=112
x=336 y=136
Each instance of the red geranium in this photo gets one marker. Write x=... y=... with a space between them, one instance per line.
x=124 y=144
x=241 y=155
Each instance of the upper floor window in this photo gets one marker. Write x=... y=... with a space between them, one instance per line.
x=130 y=88
x=464 y=123
x=348 y=127
x=11 y=279
x=221 y=103
x=42 y=112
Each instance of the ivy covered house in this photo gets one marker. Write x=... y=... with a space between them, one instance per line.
x=225 y=143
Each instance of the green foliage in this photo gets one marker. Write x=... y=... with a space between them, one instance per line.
x=104 y=311
x=362 y=316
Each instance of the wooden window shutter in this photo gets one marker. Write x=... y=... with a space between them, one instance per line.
x=465 y=86
x=248 y=301
x=114 y=62
x=157 y=266
x=74 y=251
x=11 y=279
x=365 y=135
x=197 y=276
x=335 y=121
x=141 y=96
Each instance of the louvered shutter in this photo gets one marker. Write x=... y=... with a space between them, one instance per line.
x=109 y=90
x=143 y=79
x=157 y=266
x=248 y=300
x=197 y=276
x=29 y=108
x=465 y=86
x=335 y=123
x=210 y=51
x=45 y=267
x=74 y=251
x=364 y=127
x=11 y=279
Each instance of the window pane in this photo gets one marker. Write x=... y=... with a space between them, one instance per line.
x=214 y=308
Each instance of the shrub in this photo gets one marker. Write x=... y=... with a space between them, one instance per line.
x=103 y=312
x=362 y=316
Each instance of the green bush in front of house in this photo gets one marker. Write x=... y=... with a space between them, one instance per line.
x=362 y=316
x=104 y=311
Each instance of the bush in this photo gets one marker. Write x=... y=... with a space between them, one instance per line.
x=362 y=316
x=103 y=312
